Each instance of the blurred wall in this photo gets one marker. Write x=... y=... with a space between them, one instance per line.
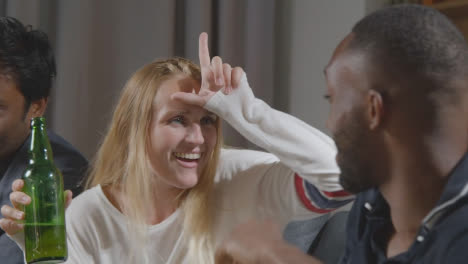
x=316 y=29
x=99 y=45
x=283 y=45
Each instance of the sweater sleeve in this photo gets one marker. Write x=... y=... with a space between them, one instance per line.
x=306 y=155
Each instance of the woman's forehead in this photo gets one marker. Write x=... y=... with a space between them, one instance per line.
x=163 y=101
x=178 y=83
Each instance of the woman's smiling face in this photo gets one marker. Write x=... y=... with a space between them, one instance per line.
x=182 y=136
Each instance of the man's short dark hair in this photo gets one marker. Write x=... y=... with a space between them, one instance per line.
x=416 y=43
x=27 y=56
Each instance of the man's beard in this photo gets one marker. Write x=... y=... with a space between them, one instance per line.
x=354 y=158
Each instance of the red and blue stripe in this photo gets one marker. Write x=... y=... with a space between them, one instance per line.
x=318 y=201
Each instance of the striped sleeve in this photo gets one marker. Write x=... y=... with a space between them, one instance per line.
x=319 y=201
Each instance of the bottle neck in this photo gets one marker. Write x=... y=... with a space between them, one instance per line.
x=40 y=150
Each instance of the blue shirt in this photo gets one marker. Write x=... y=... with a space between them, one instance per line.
x=442 y=237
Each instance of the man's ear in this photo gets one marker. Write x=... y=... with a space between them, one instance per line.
x=37 y=108
x=375 y=109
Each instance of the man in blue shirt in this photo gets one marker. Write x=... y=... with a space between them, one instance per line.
x=398 y=90
x=27 y=69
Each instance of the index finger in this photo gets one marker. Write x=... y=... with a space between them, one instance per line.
x=189 y=98
x=203 y=52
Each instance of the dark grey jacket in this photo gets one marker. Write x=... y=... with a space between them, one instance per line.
x=442 y=238
x=67 y=159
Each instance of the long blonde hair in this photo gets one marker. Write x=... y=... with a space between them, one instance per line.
x=122 y=161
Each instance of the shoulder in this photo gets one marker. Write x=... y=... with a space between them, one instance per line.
x=91 y=212
x=95 y=204
x=90 y=223
x=356 y=224
x=86 y=204
x=64 y=151
x=456 y=249
x=357 y=239
x=69 y=161
x=451 y=235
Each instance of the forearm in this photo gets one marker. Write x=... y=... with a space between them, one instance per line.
x=302 y=148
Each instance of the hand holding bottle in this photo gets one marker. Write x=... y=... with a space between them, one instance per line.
x=11 y=223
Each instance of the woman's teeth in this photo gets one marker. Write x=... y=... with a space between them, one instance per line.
x=189 y=156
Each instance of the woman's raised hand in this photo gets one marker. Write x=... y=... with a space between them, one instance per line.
x=215 y=74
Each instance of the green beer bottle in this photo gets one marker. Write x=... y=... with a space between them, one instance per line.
x=44 y=225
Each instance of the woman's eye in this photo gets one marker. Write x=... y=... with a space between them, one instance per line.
x=208 y=120
x=178 y=120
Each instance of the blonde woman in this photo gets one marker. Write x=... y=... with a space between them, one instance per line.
x=157 y=194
